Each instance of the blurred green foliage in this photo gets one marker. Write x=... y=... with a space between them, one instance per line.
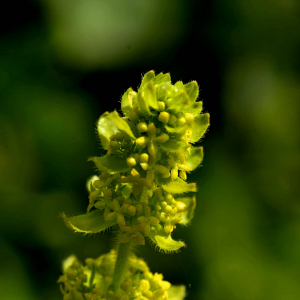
x=56 y=66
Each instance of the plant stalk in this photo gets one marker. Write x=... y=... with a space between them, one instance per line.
x=123 y=254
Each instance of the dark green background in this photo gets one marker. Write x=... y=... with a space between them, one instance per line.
x=63 y=63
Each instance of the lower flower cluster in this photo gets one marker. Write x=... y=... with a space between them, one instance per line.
x=94 y=281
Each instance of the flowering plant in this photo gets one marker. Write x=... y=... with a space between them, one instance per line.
x=139 y=190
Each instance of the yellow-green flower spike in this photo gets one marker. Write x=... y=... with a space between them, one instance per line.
x=93 y=281
x=141 y=189
x=159 y=126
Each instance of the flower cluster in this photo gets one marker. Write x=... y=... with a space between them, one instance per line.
x=143 y=174
x=93 y=281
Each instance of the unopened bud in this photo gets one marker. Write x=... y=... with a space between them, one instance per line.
x=142 y=141
x=131 y=162
x=174 y=173
x=181 y=207
x=145 y=166
x=142 y=127
x=134 y=117
x=172 y=119
x=144 y=158
x=160 y=169
x=161 y=105
x=164 y=117
x=131 y=210
x=181 y=121
x=189 y=118
x=151 y=131
x=162 y=138
x=168 y=209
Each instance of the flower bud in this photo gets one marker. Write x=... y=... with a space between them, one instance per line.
x=145 y=166
x=152 y=149
x=115 y=145
x=142 y=141
x=181 y=121
x=119 y=137
x=162 y=138
x=134 y=117
x=160 y=169
x=144 y=158
x=172 y=119
x=131 y=210
x=174 y=173
x=182 y=174
x=151 y=131
x=168 y=209
x=161 y=105
x=181 y=207
x=164 y=117
x=142 y=127
x=189 y=119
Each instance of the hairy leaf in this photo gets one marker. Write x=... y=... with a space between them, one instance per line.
x=179 y=103
x=192 y=90
x=127 y=101
x=149 y=92
x=176 y=292
x=195 y=109
x=111 y=163
x=88 y=223
x=144 y=107
x=173 y=146
x=177 y=130
x=179 y=186
x=106 y=128
x=147 y=77
x=164 y=241
x=190 y=203
x=200 y=126
x=195 y=158
x=162 y=78
x=121 y=124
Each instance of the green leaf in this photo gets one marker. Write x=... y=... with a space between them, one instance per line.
x=88 y=223
x=200 y=126
x=192 y=90
x=111 y=163
x=144 y=107
x=147 y=77
x=188 y=215
x=179 y=186
x=177 y=130
x=149 y=94
x=162 y=91
x=121 y=124
x=173 y=146
x=179 y=103
x=133 y=129
x=128 y=101
x=106 y=128
x=162 y=78
x=179 y=86
x=195 y=158
x=164 y=241
x=195 y=109
x=176 y=292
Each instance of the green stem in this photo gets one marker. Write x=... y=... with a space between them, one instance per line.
x=124 y=251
